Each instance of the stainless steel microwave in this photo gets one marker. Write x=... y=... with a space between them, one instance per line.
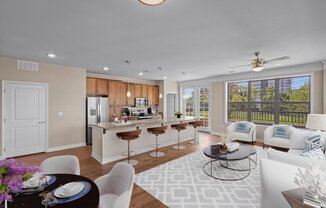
x=141 y=102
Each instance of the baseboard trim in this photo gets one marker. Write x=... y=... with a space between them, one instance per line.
x=70 y=146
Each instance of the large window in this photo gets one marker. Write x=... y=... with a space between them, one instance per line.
x=279 y=101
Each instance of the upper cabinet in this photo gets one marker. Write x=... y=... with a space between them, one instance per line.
x=138 y=91
x=144 y=91
x=150 y=95
x=156 y=95
x=131 y=99
x=96 y=86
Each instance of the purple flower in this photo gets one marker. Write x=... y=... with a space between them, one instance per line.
x=12 y=176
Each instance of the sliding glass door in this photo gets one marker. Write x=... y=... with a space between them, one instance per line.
x=196 y=103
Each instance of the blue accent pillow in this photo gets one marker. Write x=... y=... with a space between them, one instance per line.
x=316 y=154
x=312 y=142
x=243 y=127
x=282 y=131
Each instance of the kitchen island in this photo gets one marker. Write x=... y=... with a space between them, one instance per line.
x=107 y=147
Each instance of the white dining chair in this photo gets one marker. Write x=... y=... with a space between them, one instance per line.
x=65 y=164
x=116 y=187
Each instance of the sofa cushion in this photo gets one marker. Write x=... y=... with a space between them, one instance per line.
x=281 y=131
x=277 y=142
x=293 y=159
x=315 y=153
x=313 y=141
x=240 y=136
x=243 y=127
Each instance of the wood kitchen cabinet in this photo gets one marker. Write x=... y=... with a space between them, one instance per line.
x=123 y=93
x=156 y=95
x=138 y=91
x=96 y=86
x=144 y=91
x=111 y=89
x=150 y=94
x=131 y=99
x=102 y=87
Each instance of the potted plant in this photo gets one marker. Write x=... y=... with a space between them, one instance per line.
x=12 y=176
x=178 y=114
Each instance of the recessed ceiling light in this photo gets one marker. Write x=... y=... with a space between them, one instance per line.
x=106 y=68
x=140 y=73
x=164 y=77
x=151 y=2
x=51 y=55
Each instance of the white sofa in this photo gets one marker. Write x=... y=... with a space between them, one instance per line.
x=247 y=137
x=271 y=140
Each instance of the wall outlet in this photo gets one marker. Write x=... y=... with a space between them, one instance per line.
x=60 y=114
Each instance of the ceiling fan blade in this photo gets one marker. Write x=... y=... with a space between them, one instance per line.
x=278 y=59
x=239 y=66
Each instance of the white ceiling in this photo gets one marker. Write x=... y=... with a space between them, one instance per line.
x=203 y=38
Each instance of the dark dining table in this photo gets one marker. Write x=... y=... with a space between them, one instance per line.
x=90 y=200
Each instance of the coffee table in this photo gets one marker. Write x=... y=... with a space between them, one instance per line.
x=242 y=154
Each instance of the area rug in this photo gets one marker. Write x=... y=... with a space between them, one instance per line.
x=181 y=183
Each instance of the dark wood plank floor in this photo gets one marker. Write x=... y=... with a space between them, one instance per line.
x=92 y=169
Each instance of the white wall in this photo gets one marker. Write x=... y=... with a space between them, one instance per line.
x=169 y=87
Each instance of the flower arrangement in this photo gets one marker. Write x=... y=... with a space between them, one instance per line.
x=313 y=180
x=178 y=114
x=12 y=176
x=225 y=140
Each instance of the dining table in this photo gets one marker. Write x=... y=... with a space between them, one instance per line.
x=90 y=200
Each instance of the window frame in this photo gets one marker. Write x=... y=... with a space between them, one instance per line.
x=276 y=111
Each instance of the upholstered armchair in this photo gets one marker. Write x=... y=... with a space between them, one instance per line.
x=276 y=140
x=247 y=136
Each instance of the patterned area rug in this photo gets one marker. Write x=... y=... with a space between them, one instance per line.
x=181 y=183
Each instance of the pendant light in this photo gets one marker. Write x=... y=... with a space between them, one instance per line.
x=151 y=2
x=128 y=92
x=160 y=95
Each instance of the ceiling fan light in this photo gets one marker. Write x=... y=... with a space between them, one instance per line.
x=151 y=2
x=257 y=68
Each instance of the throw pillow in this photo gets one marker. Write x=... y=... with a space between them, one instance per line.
x=312 y=141
x=243 y=127
x=316 y=154
x=282 y=131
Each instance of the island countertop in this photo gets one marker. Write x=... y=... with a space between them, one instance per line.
x=140 y=123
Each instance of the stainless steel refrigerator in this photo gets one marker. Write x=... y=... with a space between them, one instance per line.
x=97 y=112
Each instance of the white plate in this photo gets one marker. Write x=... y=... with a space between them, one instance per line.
x=34 y=181
x=69 y=189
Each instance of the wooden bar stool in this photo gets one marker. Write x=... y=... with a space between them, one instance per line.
x=179 y=127
x=130 y=135
x=157 y=131
x=196 y=124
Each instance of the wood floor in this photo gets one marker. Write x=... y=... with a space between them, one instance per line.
x=92 y=169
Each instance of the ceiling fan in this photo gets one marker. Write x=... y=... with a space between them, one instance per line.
x=258 y=63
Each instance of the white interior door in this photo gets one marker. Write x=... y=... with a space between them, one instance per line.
x=25 y=118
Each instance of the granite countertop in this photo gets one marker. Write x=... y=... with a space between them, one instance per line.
x=140 y=123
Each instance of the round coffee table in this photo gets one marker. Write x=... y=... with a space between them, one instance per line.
x=243 y=153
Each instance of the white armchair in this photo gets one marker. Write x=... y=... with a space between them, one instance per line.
x=247 y=137
x=271 y=140
x=116 y=187
x=67 y=164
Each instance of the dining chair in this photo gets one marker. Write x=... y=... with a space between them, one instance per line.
x=116 y=186
x=65 y=164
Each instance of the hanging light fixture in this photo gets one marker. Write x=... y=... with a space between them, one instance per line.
x=128 y=92
x=152 y=2
x=160 y=95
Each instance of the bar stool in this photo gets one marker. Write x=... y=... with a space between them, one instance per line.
x=129 y=136
x=196 y=124
x=179 y=127
x=157 y=131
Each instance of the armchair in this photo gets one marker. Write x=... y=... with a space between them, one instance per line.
x=240 y=136
x=271 y=140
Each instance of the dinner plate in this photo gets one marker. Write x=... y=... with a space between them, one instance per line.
x=69 y=189
x=34 y=182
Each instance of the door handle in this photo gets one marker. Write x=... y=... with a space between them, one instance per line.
x=41 y=122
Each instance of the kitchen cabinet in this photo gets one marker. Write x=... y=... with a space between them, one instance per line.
x=131 y=99
x=138 y=91
x=123 y=93
x=144 y=91
x=111 y=89
x=90 y=86
x=156 y=95
x=96 y=86
x=102 y=87
x=150 y=94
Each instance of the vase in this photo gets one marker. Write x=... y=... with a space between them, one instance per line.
x=223 y=148
x=178 y=116
x=4 y=204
